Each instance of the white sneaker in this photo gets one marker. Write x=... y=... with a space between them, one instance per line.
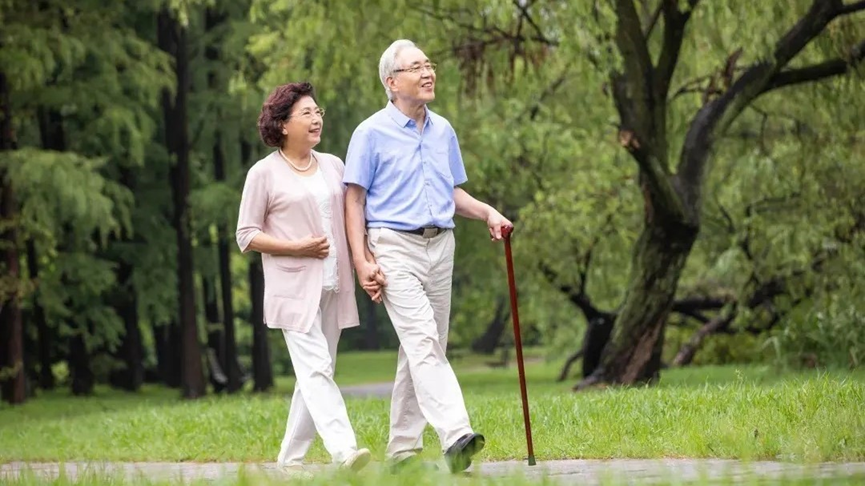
x=296 y=472
x=357 y=460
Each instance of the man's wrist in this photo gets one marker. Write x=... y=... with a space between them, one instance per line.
x=489 y=211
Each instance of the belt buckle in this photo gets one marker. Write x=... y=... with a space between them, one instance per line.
x=430 y=232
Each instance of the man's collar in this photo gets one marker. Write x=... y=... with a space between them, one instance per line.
x=401 y=118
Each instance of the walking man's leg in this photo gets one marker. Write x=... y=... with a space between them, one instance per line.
x=406 y=262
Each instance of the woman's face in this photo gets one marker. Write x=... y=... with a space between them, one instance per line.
x=304 y=124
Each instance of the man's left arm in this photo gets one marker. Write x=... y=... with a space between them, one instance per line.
x=466 y=205
x=469 y=207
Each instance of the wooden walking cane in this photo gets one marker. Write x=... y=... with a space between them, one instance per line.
x=518 y=342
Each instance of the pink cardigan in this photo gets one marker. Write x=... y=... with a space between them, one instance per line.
x=275 y=200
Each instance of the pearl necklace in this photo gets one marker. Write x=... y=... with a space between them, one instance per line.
x=304 y=169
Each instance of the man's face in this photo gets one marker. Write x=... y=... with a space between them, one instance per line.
x=415 y=78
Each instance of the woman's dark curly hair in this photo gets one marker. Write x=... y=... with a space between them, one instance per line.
x=276 y=109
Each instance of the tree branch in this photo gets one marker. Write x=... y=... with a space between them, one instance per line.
x=716 y=116
x=636 y=103
x=688 y=304
x=852 y=8
x=817 y=72
x=653 y=21
x=524 y=12
x=566 y=368
x=577 y=297
x=689 y=350
x=674 y=32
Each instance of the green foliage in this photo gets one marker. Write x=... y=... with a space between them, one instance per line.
x=63 y=191
x=530 y=101
x=831 y=332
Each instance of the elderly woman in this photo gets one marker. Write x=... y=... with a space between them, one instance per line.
x=292 y=213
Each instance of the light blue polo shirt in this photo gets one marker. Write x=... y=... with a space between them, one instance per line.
x=409 y=177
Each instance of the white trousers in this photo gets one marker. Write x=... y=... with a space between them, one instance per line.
x=317 y=403
x=419 y=273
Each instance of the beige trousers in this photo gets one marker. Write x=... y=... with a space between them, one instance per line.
x=317 y=403
x=419 y=273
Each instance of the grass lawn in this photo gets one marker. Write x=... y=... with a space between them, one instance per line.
x=249 y=477
x=722 y=412
x=379 y=478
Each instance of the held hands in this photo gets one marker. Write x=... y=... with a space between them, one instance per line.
x=313 y=247
x=371 y=279
x=498 y=225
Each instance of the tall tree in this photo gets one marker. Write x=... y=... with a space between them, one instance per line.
x=44 y=335
x=172 y=38
x=673 y=200
x=12 y=384
x=262 y=368
x=215 y=21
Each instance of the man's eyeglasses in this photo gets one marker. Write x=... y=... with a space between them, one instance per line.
x=430 y=66
x=309 y=113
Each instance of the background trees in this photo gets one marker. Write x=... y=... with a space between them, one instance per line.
x=684 y=175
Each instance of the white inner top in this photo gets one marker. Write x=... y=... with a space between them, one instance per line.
x=320 y=190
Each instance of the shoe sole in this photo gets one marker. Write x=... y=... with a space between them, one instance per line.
x=359 y=462
x=463 y=460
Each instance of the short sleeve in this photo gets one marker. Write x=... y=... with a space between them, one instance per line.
x=360 y=159
x=455 y=159
x=253 y=207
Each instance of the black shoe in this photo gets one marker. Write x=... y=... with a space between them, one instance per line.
x=459 y=455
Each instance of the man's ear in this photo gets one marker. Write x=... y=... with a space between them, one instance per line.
x=391 y=83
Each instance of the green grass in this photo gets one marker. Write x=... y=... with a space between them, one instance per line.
x=722 y=412
x=251 y=476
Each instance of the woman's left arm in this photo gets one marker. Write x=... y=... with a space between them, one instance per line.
x=253 y=208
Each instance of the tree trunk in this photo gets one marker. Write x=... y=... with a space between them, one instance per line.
x=79 y=366
x=598 y=331
x=125 y=302
x=44 y=335
x=229 y=362
x=12 y=385
x=215 y=355
x=172 y=39
x=633 y=354
x=489 y=340
x=166 y=339
x=262 y=369
x=12 y=382
x=131 y=350
x=214 y=18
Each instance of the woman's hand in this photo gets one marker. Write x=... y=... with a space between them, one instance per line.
x=371 y=279
x=311 y=247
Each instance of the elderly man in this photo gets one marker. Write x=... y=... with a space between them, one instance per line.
x=402 y=170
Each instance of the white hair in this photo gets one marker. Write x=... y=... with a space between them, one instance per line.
x=387 y=64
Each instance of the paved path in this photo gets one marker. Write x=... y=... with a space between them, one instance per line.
x=626 y=471
x=377 y=390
